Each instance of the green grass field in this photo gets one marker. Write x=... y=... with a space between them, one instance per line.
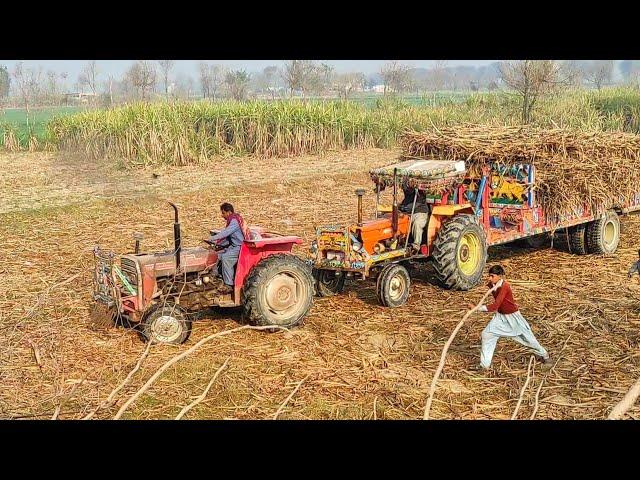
x=16 y=119
x=426 y=99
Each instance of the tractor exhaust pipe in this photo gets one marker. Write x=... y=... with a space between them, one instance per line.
x=177 y=238
x=394 y=211
x=138 y=237
x=360 y=192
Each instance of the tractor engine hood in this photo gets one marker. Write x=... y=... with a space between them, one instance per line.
x=195 y=259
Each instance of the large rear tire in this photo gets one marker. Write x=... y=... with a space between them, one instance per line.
x=392 y=286
x=278 y=291
x=576 y=239
x=603 y=235
x=460 y=252
x=166 y=323
x=328 y=282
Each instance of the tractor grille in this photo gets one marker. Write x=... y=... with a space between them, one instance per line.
x=130 y=271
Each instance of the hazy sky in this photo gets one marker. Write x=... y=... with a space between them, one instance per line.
x=118 y=67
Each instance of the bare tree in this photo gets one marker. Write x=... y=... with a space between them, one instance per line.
x=532 y=79
x=217 y=76
x=270 y=75
x=396 y=77
x=23 y=79
x=204 y=73
x=5 y=82
x=303 y=75
x=89 y=76
x=211 y=77
x=190 y=84
x=237 y=82
x=110 y=80
x=600 y=73
x=52 y=86
x=348 y=83
x=440 y=75
x=294 y=74
x=142 y=76
x=166 y=66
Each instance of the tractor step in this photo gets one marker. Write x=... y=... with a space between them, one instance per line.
x=225 y=301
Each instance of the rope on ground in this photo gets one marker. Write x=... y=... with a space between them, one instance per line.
x=184 y=354
x=275 y=416
x=204 y=394
x=524 y=388
x=535 y=408
x=626 y=403
x=436 y=376
x=121 y=386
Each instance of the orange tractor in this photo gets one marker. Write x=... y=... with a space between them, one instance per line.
x=468 y=212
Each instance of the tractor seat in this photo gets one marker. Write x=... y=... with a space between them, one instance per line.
x=256 y=232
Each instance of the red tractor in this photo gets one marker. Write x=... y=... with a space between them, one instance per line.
x=158 y=292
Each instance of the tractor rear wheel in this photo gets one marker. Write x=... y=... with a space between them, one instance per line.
x=603 y=234
x=328 y=282
x=392 y=286
x=166 y=323
x=278 y=291
x=460 y=252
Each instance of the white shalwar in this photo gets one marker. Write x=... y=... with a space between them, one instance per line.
x=512 y=325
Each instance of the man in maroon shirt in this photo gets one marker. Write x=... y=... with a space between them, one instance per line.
x=507 y=321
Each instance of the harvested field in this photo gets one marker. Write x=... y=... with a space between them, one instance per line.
x=351 y=359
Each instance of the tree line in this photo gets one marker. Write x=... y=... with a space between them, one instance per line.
x=146 y=80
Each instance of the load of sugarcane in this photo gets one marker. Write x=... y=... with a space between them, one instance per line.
x=597 y=170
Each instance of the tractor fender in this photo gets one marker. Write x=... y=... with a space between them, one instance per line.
x=439 y=213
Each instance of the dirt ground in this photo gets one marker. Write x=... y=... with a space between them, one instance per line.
x=355 y=359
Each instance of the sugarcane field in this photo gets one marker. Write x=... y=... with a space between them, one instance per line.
x=371 y=254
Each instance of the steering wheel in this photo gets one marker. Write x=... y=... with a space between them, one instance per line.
x=216 y=246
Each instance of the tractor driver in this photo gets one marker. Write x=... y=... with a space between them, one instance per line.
x=420 y=214
x=234 y=233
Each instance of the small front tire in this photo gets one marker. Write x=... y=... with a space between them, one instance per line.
x=166 y=323
x=393 y=286
x=328 y=283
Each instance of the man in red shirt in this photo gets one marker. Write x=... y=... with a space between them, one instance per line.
x=507 y=321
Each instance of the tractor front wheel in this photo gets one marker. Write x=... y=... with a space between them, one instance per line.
x=278 y=291
x=328 y=282
x=460 y=252
x=166 y=323
x=392 y=286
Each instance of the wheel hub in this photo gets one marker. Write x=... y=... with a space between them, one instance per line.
x=609 y=233
x=469 y=253
x=166 y=328
x=281 y=293
x=397 y=287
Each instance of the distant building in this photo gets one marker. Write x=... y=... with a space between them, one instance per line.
x=79 y=97
x=380 y=89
